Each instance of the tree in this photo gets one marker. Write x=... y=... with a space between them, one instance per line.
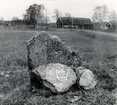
x=34 y=14
x=1 y=21
x=57 y=14
x=113 y=16
x=100 y=14
x=15 y=21
x=46 y=19
x=113 y=19
x=67 y=14
x=15 y=18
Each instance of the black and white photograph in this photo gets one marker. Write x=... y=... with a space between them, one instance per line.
x=58 y=52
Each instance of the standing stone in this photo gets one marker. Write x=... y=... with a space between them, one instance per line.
x=44 y=48
x=57 y=77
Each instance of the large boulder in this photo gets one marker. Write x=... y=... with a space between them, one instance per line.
x=44 y=48
x=57 y=77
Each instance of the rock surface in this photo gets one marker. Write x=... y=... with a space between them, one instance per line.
x=87 y=79
x=79 y=70
x=57 y=77
x=44 y=48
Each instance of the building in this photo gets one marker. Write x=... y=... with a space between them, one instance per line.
x=71 y=22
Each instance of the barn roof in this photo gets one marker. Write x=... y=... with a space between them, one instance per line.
x=76 y=21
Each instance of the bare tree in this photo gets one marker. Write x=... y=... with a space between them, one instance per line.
x=46 y=19
x=113 y=16
x=57 y=14
x=67 y=14
x=1 y=21
x=113 y=19
x=15 y=21
x=100 y=14
x=15 y=18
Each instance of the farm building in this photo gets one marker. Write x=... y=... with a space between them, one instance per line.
x=68 y=22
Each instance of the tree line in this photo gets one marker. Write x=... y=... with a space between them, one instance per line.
x=35 y=15
x=102 y=14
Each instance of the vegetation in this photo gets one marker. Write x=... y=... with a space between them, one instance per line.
x=102 y=15
x=98 y=51
x=34 y=14
x=57 y=14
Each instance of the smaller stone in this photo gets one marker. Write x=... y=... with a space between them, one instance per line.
x=92 y=85
x=87 y=79
x=79 y=70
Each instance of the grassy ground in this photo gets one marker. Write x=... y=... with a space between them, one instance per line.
x=97 y=49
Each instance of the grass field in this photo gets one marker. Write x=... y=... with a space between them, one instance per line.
x=97 y=49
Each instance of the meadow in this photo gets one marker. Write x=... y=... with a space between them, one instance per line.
x=98 y=51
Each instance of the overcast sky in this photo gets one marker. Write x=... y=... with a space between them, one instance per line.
x=77 y=8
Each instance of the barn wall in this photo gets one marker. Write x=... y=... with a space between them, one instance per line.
x=76 y=25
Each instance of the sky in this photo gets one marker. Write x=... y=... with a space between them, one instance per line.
x=77 y=8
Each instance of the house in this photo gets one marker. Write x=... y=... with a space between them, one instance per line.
x=71 y=22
